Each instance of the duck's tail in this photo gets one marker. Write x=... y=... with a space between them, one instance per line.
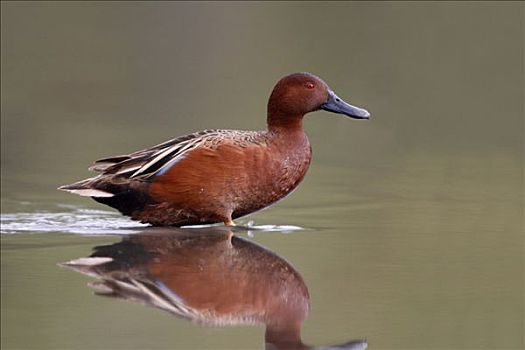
x=87 y=188
x=116 y=191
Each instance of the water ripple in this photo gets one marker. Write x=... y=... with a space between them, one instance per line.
x=78 y=220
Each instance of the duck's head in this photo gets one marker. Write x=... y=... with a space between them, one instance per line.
x=299 y=93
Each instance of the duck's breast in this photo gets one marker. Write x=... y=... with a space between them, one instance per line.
x=272 y=173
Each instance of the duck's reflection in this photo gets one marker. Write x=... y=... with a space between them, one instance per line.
x=207 y=276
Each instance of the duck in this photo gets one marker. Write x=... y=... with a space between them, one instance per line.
x=216 y=176
x=208 y=276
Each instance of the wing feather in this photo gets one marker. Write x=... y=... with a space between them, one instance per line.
x=154 y=160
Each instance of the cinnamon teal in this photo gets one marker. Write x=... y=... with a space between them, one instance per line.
x=218 y=175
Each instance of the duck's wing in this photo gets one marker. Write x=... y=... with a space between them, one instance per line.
x=146 y=164
x=151 y=161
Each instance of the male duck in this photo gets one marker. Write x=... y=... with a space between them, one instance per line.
x=218 y=175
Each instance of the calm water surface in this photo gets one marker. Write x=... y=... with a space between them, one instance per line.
x=408 y=229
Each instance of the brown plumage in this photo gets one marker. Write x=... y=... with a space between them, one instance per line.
x=218 y=175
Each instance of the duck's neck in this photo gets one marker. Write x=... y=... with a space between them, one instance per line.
x=289 y=140
x=287 y=123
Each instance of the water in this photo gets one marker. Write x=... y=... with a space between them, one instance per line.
x=408 y=229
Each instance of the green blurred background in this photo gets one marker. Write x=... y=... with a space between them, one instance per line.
x=416 y=216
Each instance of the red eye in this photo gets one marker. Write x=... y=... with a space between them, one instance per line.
x=309 y=85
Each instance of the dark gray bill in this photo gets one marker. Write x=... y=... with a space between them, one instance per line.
x=337 y=105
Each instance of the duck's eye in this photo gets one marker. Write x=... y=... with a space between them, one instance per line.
x=309 y=85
